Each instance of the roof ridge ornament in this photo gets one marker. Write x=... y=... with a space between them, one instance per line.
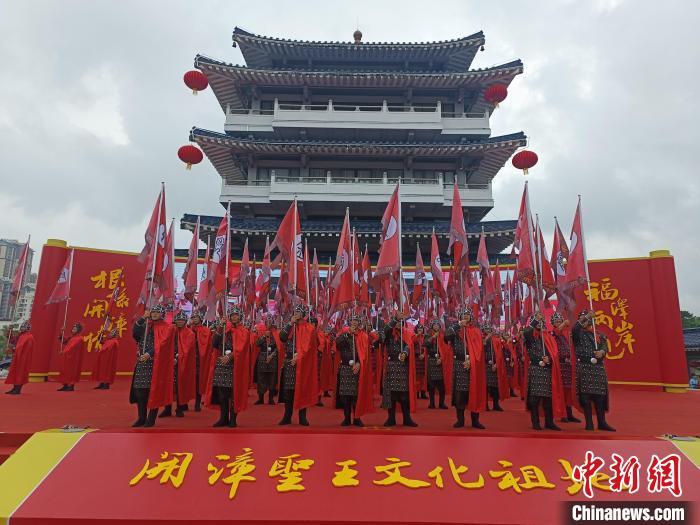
x=357 y=36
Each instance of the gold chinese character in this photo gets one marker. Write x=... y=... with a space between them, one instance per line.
x=347 y=476
x=599 y=481
x=96 y=310
x=99 y=279
x=619 y=308
x=456 y=476
x=288 y=468
x=239 y=468
x=603 y=320
x=532 y=477
x=393 y=475
x=607 y=292
x=114 y=276
x=122 y=299
x=92 y=340
x=594 y=292
x=173 y=470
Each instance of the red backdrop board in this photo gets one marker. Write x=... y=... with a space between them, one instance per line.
x=251 y=477
x=636 y=304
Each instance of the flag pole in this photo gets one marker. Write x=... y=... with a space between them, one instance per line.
x=19 y=292
x=65 y=311
x=588 y=279
x=154 y=253
x=227 y=254
x=539 y=261
x=398 y=201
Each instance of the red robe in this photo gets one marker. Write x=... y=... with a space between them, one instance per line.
x=570 y=396
x=326 y=345
x=306 y=385
x=186 y=365
x=445 y=352
x=365 y=392
x=71 y=360
x=204 y=336
x=241 y=367
x=477 y=370
x=501 y=372
x=515 y=378
x=105 y=368
x=21 y=360
x=161 y=393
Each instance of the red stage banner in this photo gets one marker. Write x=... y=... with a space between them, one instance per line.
x=380 y=478
x=636 y=304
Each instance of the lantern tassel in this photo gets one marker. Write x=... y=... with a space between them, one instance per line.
x=189 y=166
x=194 y=92
x=525 y=172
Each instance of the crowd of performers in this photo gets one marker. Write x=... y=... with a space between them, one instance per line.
x=296 y=363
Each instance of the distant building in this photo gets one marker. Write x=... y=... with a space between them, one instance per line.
x=338 y=124
x=10 y=251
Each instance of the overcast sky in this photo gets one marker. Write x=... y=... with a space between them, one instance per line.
x=93 y=110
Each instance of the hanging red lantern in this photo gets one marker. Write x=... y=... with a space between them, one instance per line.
x=196 y=81
x=524 y=160
x=190 y=155
x=495 y=94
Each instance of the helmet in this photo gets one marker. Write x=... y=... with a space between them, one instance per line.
x=180 y=316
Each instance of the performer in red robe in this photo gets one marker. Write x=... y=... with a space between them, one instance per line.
x=354 y=384
x=299 y=379
x=71 y=358
x=565 y=350
x=468 y=383
x=544 y=385
x=229 y=376
x=496 y=375
x=266 y=360
x=152 y=382
x=420 y=360
x=327 y=353
x=438 y=364
x=23 y=346
x=400 y=375
x=203 y=355
x=184 y=380
x=512 y=365
x=105 y=369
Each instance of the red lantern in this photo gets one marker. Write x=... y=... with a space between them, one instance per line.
x=190 y=155
x=495 y=94
x=196 y=81
x=524 y=160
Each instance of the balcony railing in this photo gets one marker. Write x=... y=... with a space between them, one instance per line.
x=333 y=115
x=335 y=179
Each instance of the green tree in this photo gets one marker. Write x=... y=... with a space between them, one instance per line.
x=689 y=320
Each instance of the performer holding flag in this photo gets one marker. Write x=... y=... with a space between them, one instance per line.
x=22 y=349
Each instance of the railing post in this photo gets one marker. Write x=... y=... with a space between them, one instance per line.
x=228 y=109
x=385 y=106
x=438 y=108
x=384 y=178
x=328 y=177
x=277 y=105
x=330 y=104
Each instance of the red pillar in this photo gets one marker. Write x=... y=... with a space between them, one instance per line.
x=667 y=313
x=45 y=318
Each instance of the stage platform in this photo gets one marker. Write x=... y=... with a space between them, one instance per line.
x=634 y=413
x=183 y=470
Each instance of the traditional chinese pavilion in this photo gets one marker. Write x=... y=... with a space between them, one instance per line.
x=337 y=124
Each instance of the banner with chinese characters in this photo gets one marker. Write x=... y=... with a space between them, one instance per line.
x=636 y=304
x=348 y=478
x=636 y=307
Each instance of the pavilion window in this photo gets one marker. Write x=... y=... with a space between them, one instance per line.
x=317 y=175
x=286 y=174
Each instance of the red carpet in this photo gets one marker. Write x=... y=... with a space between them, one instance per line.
x=634 y=414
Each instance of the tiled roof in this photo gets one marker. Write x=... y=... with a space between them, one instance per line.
x=691 y=338
x=260 y=51
x=226 y=79
x=222 y=148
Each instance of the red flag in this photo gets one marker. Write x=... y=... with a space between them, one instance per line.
x=515 y=297
x=560 y=252
x=458 y=233
x=475 y=297
x=262 y=283
x=389 y=254
x=220 y=258
x=497 y=298
x=289 y=228
x=482 y=258
x=436 y=269
x=356 y=269
x=523 y=241
x=576 y=267
x=20 y=274
x=546 y=275
x=61 y=292
x=167 y=286
x=238 y=276
x=342 y=282
x=419 y=279
x=203 y=291
x=154 y=228
x=507 y=298
x=189 y=274
x=366 y=277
